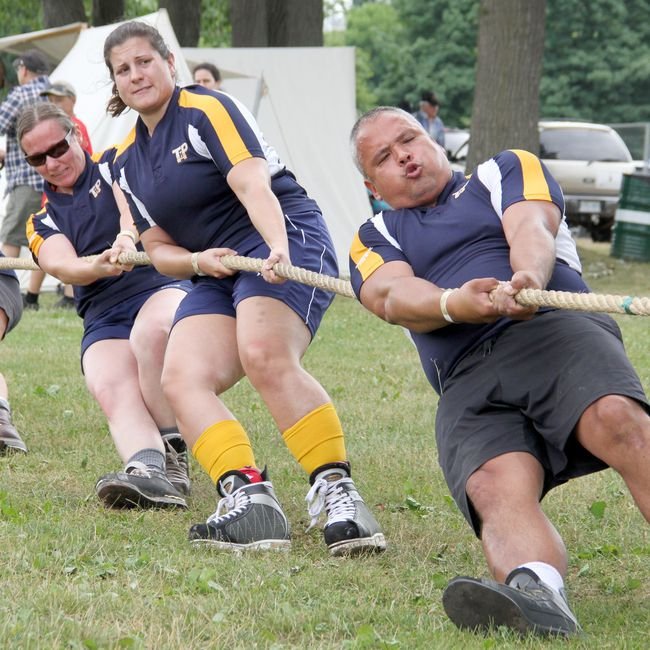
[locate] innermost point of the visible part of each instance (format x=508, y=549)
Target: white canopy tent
x=303, y=98
x=54, y=43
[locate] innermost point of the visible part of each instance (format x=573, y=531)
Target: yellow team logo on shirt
x=96, y=189
x=181, y=152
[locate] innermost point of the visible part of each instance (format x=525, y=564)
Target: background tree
x=105, y=12
x=276, y=23
x=63, y=12
x=215, y=24
x=381, y=61
x=597, y=60
x=508, y=70
x=185, y=16
x=441, y=50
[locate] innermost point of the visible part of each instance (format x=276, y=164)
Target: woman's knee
x=108, y=390
x=264, y=361
x=149, y=336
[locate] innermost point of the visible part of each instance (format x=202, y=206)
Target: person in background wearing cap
x=427, y=116
x=63, y=95
x=24, y=185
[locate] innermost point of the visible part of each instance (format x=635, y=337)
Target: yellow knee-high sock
x=223, y=446
x=317, y=439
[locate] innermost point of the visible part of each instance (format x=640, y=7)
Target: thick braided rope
x=614, y=304
x=304, y=276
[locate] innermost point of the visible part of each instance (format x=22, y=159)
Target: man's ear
x=372, y=189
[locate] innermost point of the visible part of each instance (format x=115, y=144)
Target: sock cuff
x=150, y=457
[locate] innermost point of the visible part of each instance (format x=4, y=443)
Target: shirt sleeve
x=9, y=111
x=373, y=246
x=222, y=129
x=40, y=226
x=516, y=175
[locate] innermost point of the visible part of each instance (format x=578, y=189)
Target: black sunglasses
x=55, y=151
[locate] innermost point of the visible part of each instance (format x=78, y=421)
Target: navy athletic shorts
x=221, y=296
x=117, y=321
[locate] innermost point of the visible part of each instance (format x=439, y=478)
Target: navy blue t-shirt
x=462, y=238
x=90, y=219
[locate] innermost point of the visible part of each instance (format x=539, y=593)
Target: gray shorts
x=11, y=302
x=525, y=390
x=22, y=203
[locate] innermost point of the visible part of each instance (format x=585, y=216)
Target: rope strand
x=613, y=304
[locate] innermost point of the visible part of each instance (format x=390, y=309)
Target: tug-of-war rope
x=613, y=304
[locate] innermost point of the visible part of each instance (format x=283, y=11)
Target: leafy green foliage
x=215, y=23
x=596, y=59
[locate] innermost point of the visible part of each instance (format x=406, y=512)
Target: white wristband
x=128, y=233
x=195, y=264
x=443, y=305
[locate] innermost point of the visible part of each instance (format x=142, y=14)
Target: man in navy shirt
x=528, y=398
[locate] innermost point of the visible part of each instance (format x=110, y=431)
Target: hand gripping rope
x=613, y=304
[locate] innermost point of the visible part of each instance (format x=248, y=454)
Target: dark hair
x=211, y=68
x=34, y=114
x=405, y=105
x=428, y=96
x=34, y=61
x=119, y=36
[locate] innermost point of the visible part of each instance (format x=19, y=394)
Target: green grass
x=74, y=575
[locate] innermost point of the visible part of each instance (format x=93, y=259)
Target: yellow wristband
x=128, y=233
x=443, y=305
x=195, y=264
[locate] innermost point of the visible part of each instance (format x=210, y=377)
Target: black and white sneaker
x=177, y=462
x=248, y=516
x=524, y=604
x=138, y=486
x=350, y=528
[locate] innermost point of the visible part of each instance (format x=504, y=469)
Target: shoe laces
x=176, y=463
x=230, y=506
x=332, y=497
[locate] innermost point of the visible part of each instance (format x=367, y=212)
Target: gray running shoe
x=138, y=486
x=177, y=462
x=248, y=517
x=350, y=528
x=525, y=604
x=10, y=440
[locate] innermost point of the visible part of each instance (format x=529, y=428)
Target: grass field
x=75, y=575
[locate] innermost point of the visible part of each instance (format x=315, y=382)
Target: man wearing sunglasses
x=24, y=184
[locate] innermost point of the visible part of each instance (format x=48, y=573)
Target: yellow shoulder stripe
x=35, y=241
x=222, y=123
x=365, y=260
x=535, y=185
x=126, y=143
